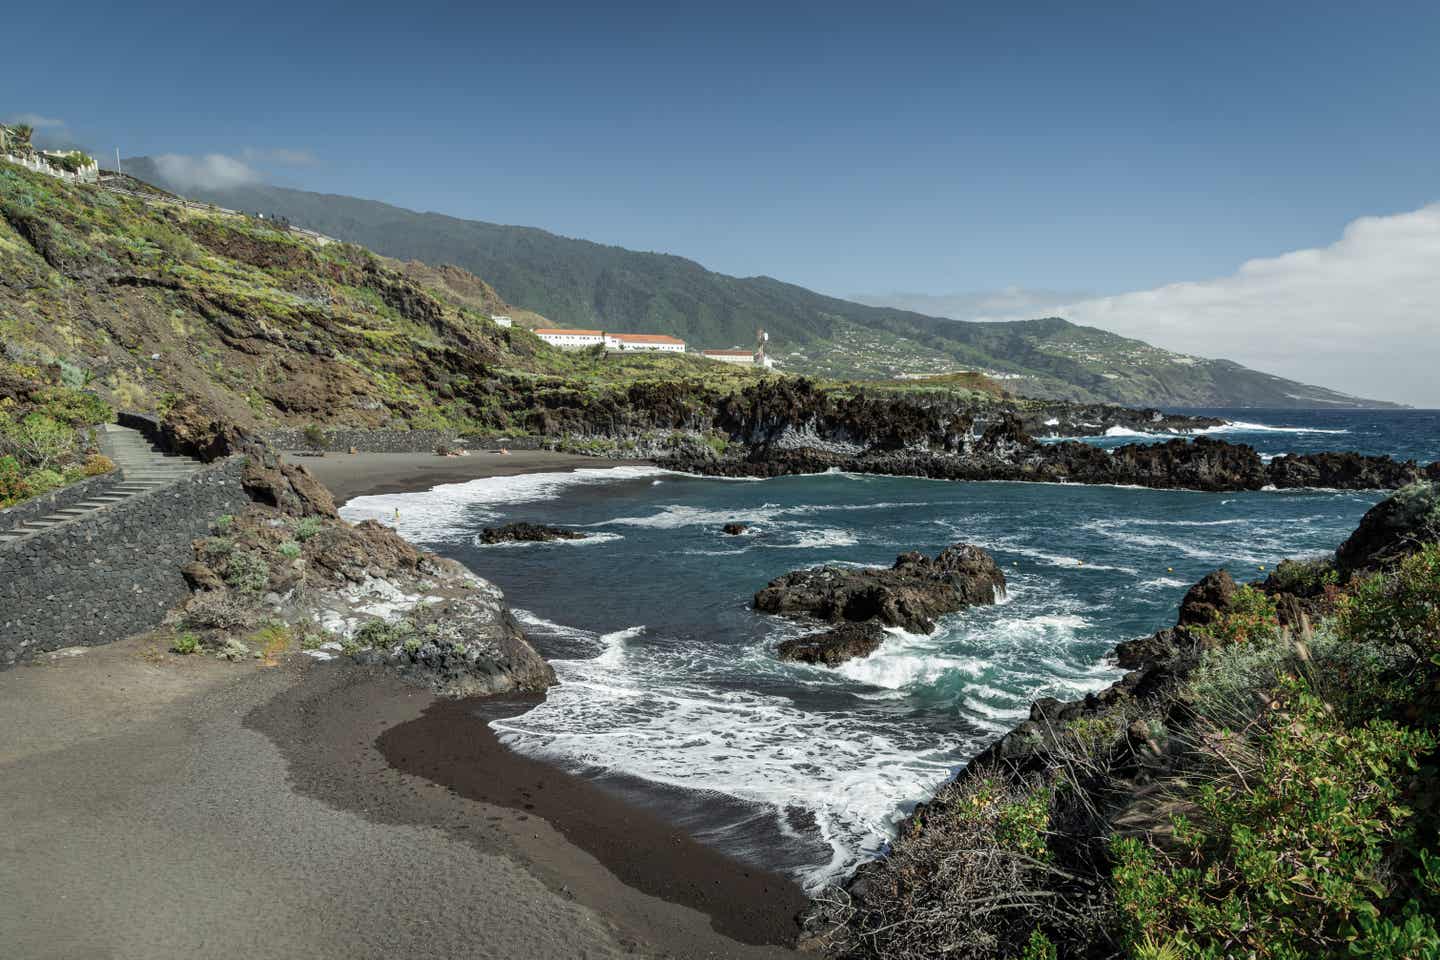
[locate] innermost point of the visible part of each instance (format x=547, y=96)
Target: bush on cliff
x=1292, y=849
x=1265, y=785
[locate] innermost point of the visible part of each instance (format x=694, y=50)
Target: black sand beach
x=160, y=806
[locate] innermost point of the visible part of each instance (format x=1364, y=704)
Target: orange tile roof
x=646, y=338
x=573, y=333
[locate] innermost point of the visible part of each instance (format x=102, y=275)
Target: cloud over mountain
x=1361, y=314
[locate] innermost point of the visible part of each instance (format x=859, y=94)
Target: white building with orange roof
x=649, y=342
x=567, y=339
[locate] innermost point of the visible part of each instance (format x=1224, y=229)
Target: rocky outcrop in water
x=527, y=533
x=833, y=647
x=734, y=529
x=910, y=594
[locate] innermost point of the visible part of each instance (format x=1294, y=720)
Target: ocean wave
x=589, y=539
x=1161, y=583
x=618, y=711
x=1235, y=426
x=446, y=511
x=815, y=540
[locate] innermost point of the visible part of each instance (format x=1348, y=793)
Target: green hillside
x=580, y=283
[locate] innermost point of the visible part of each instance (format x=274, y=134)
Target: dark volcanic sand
x=365, y=474
x=452, y=744
x=354, y=741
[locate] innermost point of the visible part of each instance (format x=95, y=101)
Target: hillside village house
x=652, y=342
x=744, y=358
x=502, y=320
x=571, y=339
x=615, y=342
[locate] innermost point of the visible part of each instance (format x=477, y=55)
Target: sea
x=669, y=690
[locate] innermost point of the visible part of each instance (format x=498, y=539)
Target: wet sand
x=360, y=474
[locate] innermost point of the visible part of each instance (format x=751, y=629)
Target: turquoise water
x=667, y=676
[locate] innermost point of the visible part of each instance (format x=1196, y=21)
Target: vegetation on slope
x=168, y=308
x=579, y=283
x=45, y=427
x=1269, y=789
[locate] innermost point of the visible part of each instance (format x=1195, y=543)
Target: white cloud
x=1361, y=315
x=214, y=171
x=37, y=121
x=219, y=171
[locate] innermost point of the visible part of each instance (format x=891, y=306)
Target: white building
x=503, y=320
x=649, y=342
x=743, y=358
x=571, y=339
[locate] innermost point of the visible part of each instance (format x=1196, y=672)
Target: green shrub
x=13, y=485
x=1039, y=947
x=247, y=572
x=185, y=644
x=315, y=437
x=37, y=440
x=1304, y=578
x=307, y=528
x=1402, y=607
x=224, y=522
x=290, y=549
x=43, y=481
x=1250, y=618
x=1291, y=851
x=314, y=639
x=75, y=408
x=97, y=464
x=383, y=634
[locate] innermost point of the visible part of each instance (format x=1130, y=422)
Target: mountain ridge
x=579, y=282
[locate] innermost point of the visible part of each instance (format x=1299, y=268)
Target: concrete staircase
x=143, y=467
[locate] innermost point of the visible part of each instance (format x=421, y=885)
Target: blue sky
x=1069, y=150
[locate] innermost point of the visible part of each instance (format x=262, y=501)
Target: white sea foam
x=445, y=512
x=815, y=539
x=622, y=711
x=590, y=539
x=1236, y=426
x=1241, y=426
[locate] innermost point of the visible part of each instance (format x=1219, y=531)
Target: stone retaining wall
x=341, y=439
x=111, y=574
x=48, y=503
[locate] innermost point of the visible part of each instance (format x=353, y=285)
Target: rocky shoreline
x=1006, y=452
x=783, y=426
x=1114, y=749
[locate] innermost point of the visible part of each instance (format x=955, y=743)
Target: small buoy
x=1079, y=563
x=1169, y=569
x=1262, y=568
